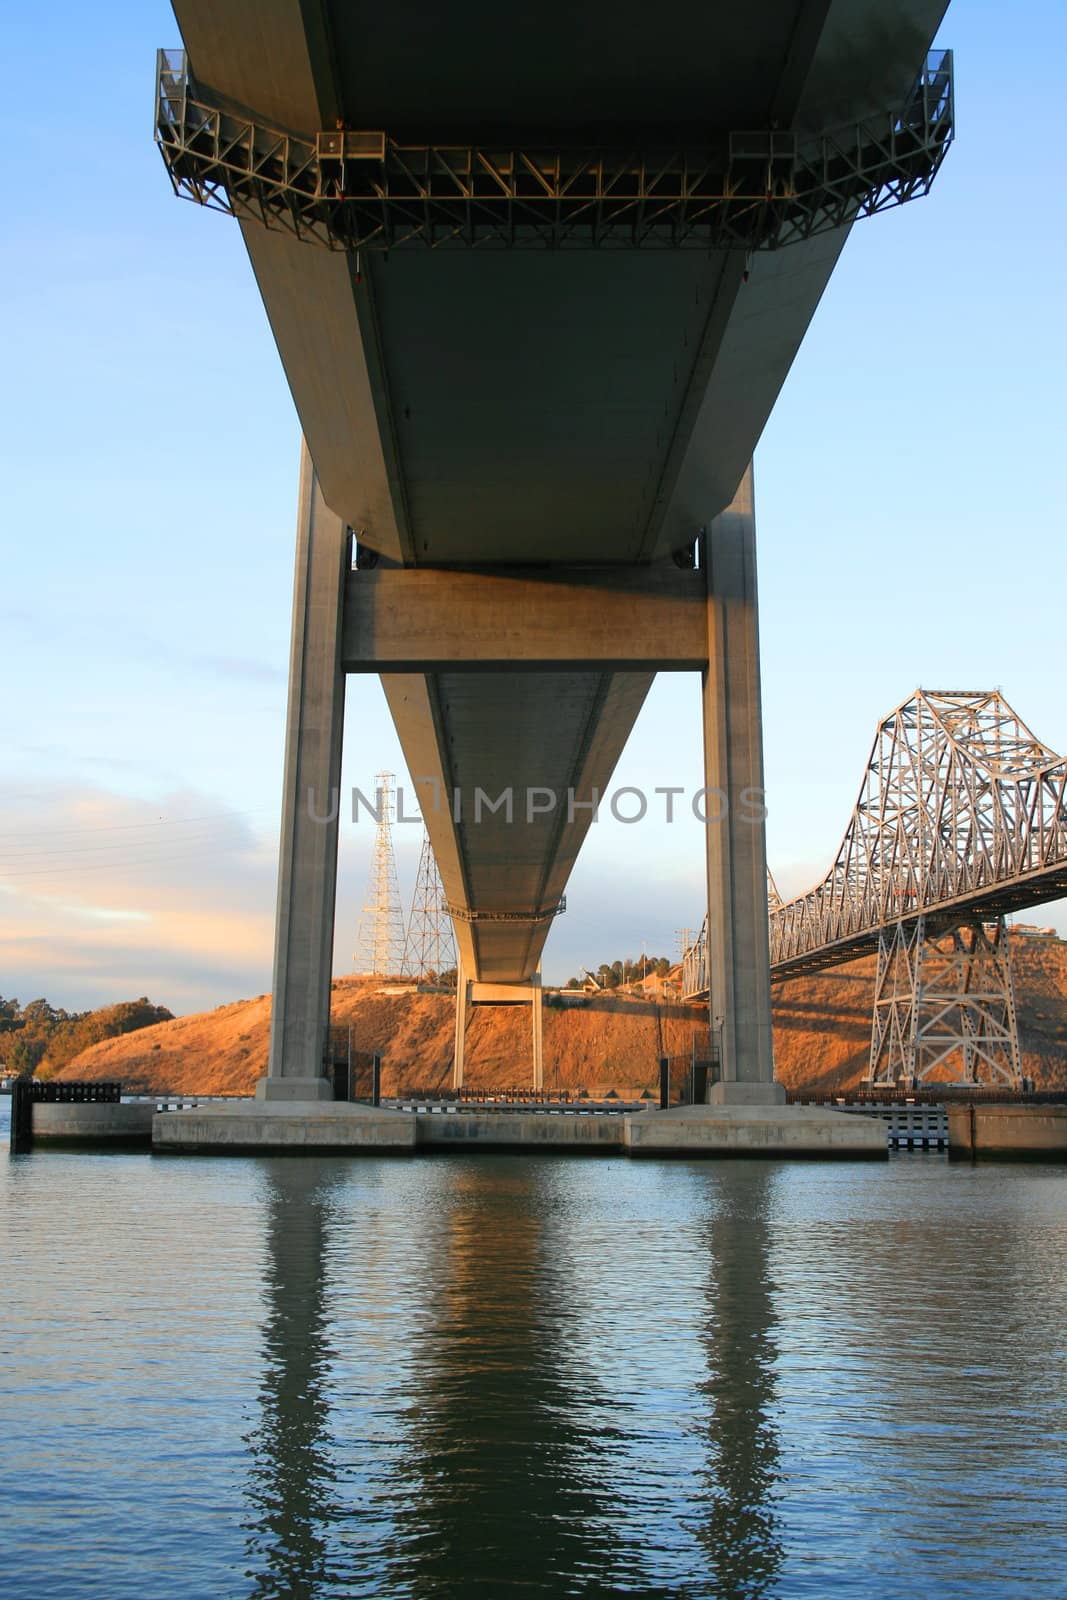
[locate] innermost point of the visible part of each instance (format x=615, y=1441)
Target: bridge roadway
x=556, y=409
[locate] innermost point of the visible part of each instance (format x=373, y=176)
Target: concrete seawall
x=253, y=1126
x=464, y=1130
x=94, y=1123
x=778, y=1132
x=1007, y=1132
x=256, y=1125
x=781, y=1132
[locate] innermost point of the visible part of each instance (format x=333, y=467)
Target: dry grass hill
x=822, y=1034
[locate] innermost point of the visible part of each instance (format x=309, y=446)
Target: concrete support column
x=536, y=1002
x=462, y=1005
x=738, y=940
x=307, y=874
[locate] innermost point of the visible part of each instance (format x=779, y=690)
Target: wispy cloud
x=239, y=667
x=128, y=644
x=103, y=896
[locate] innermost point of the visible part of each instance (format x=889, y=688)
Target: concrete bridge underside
x=582, y=412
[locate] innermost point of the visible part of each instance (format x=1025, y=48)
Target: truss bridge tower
x=944, y=1008
x=380, y=941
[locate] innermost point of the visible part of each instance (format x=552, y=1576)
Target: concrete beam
x=502, y=994
x=633, y=619
x=307, y=874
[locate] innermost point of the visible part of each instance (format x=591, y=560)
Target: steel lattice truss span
x=352, y=189
x=962, y=814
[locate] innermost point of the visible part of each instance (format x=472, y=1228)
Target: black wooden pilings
x=21, y=1116
x=664, y=1082
x=26, y=1093
x=376, y=1080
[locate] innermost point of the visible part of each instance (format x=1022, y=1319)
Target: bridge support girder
x=738, y=949
x=471, y=993
x=307, y=867
x=413, y=623
x=944, y=1008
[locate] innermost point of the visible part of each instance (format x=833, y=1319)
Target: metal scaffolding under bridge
x=961, y=819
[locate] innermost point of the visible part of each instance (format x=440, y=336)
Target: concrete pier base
x=256, y=1125
x=755, y=1130
x=695, y=1131
x=746, y=1094
x=1009, y=1132
x=298, y=1089
x=520, y=1131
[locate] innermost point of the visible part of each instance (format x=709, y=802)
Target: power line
x=86, y=849
x=160, y=822
x=77, y=869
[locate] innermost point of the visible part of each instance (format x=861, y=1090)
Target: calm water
x=481, y=1376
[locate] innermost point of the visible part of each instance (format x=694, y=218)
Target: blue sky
x=910, y=502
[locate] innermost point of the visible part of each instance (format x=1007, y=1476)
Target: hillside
x=822, y=1036
x=595, y=1042
x=822, y=1024
x=39, y=1038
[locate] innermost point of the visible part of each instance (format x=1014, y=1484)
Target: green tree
x=24, y=1056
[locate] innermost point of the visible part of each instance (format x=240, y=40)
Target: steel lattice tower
x=431, y=944
x=380, y=940
x=944, y=1008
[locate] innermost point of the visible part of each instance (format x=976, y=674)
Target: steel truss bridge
x=961, y=819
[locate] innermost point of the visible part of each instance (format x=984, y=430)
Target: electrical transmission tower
x=380, y=940
x=431, y=944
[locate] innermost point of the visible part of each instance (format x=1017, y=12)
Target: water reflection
x=510, y=1475
x=521, y=1453
x=741, y=1530
x=549, y=1377
x=293, y=1478
x=489, y=1375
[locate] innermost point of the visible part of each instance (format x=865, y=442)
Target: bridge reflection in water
x=293, y=1480
x=460, y=1422
x=582, y=1378
x=741, y=1533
